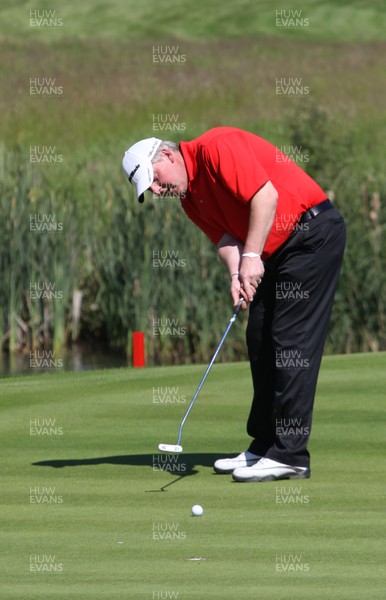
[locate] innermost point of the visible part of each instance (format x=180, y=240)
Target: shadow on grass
x=156, y=460
x=150, y=460
x=184, y=464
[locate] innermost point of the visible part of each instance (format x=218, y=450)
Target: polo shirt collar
x=189, y=150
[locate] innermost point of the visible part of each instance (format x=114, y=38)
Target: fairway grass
x=82, y=493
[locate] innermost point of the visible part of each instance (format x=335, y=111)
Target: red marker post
x=138, y=359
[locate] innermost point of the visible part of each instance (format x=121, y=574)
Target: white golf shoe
x=270, y=470
x=228, y=465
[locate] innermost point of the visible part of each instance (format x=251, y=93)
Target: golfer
x=282, y=242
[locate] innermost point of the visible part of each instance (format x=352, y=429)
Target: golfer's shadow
x=181, y=464
x=190, y=460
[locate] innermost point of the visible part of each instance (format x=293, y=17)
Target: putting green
x=91, y=510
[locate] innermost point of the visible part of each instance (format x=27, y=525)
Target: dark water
x=75, y=359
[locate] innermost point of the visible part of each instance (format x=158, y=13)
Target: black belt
x=314, y=211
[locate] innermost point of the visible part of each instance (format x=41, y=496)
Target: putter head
x=170, y=448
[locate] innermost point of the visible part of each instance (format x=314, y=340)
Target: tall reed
x=149, y=268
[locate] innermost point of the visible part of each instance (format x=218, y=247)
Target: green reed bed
x=148, y=268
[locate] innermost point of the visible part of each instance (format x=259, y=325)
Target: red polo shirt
x=226, y=167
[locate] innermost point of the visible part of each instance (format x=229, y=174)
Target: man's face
x=170, y=176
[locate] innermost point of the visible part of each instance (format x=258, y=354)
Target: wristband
x=251, y=254
x=233, y=274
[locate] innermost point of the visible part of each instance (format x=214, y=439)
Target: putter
x=177, y=447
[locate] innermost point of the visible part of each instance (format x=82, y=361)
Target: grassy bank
x=112, y=92
x=320, y=20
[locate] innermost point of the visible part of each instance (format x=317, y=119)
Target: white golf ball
x=197, y=510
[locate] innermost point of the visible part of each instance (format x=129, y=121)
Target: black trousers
x=286, y=332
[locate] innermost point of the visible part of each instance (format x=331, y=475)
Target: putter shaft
x=231, y=321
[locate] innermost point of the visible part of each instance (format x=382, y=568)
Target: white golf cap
x=137, y=164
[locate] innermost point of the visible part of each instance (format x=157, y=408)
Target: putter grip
x=236, y=312
x=238, y=307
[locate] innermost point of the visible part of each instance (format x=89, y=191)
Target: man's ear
x=168, y=154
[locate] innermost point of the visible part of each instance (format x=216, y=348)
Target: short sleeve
x=232, y=160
